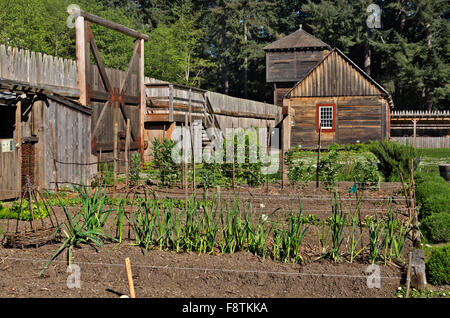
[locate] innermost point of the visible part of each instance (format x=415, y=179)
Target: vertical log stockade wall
x=84, y=101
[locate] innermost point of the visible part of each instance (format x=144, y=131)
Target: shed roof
x=337, y=75
x=300, y=39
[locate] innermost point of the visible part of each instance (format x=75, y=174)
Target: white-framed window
x=325, y=113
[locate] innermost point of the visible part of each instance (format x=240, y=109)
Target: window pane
x=326, y=117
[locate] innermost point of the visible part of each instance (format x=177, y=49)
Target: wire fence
x=201, y=269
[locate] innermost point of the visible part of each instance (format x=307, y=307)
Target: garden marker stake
x=130, y=278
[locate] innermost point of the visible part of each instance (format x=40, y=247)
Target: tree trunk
x=427, y=89
x=226, y=84
x=245, y=62
x=367, y=54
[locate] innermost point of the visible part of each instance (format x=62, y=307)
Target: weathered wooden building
x=289, y=59
x=42, y=133
x=342, y=100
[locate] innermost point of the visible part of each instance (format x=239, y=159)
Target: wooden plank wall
x=221, y=102
x=36, y=68
x=357, y=118
x=424, y=142
x=360, y=118
x=105, y=130
x=8, y=175
x=290, y=66
x=72, y=131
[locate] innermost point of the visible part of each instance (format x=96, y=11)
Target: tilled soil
x=169, y=274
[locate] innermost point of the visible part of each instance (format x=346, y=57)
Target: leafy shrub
x=329, y=168
x=394, y=159
x=432, y=194
x=247, y=161
x=212, y=175
x=169, y=171
x=366, y=172
x=26, y=214
x=438, y=269
x=135, y=168
x=298, y=171
x=436, y=227
x=106, y=171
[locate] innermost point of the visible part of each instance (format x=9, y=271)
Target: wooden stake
x=185, y=149
x=55, y=171
x=192, y=141
x=100, y=173
x=318, y=156
x=417, y=239
x=130, y=277
x=408, y=276
x=116, y=132
x=127, y=146
x=269, y=152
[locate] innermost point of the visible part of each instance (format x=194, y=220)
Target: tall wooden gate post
x=114, y=97
x=80, y=48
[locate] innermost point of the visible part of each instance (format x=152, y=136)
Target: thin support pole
x=318, y=156
x=116, y=132
x=55, y=171
x=127, y=152
x=185, y=149
x=100, y=167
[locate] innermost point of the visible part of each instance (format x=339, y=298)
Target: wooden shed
x=343, y=100
x=289, y=59
x=40, y=131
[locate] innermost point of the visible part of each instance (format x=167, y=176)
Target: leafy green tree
x=174, y=50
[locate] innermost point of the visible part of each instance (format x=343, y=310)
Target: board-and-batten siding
x=72, y=131
x=334, y=76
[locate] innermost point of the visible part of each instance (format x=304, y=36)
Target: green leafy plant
x=337, y=225
x=436, y=227
x=329, y=168
x=437, y=267
x=323, y=234
x=84, y=228
x=287, y=242
x=22, y=211
x=366, y=173
x=394, y=159
x=168, y=170
x=135, y=169
x=432, y=194
x=354, y=240
x=376, y=243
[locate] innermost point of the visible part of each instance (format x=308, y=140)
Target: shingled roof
x=300, y=39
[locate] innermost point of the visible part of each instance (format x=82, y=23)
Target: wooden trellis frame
x=114, y=99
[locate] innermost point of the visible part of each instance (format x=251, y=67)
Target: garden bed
x=241, y=274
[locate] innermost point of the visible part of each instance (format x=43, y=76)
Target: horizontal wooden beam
x=105, y=96
x=113, y=26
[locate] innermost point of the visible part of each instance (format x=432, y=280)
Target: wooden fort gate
x=114, y=96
